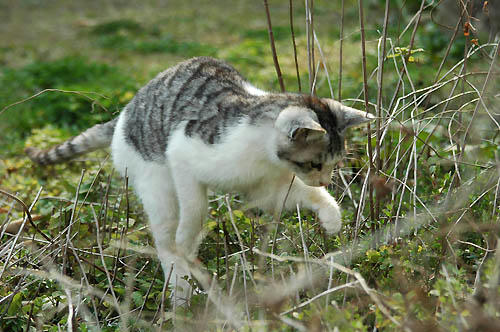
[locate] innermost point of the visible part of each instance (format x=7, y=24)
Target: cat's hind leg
x=159, y=197
x=154, y=185
x=160, y=203
x=176, y=205
x=193, y=206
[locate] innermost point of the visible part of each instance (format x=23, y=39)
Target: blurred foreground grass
x=428, y=259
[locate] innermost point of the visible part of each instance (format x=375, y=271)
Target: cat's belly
x=267, y=194
x=244, y=180
x=236, y=185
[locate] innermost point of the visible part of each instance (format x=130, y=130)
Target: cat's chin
x=314, y=183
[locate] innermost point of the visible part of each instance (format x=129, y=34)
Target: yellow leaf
x=238, y=213
x=126, y=96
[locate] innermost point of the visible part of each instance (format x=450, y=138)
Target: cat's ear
x=307, y=134
x=348, y=117
x=299, y=125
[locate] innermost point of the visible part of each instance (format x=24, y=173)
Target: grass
x=129, y=36
x=418, y=249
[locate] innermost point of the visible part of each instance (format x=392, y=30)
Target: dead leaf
x=14, y=226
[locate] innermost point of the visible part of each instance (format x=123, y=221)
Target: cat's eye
x=309, y=165
x=299, y=164
x=318, y=166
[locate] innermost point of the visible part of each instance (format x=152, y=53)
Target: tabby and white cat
x=201, y=125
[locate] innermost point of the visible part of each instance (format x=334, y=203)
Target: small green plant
x=80, y=93
x=129, y=36
x=429, y=257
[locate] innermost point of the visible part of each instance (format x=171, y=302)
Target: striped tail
x=95, y=138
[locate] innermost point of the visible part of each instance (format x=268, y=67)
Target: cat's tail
x=95, y=138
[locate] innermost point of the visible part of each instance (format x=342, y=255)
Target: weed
x=421, y=254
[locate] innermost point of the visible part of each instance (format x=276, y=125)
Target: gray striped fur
x=95, y=138
x=206, y=96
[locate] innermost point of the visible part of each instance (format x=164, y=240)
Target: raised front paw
x=331, y=219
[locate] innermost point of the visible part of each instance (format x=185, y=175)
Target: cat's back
x=192, y=95
x=194, y=78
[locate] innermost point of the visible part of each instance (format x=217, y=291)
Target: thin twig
x=380, y=80
x=485, y=84
x=365, y=93
x=108, y=276
x=273, y=47
x=96, y=313
x=278, y=221
x=240, y=241
x=310, y=64
x=146, y=296
x=80, y=93
x=357, y=275
x=294, y=47
x=317, y=296
x=71, y=221
x=341, y=49
x=28, y=217
x=28, y=214
x=163, y=295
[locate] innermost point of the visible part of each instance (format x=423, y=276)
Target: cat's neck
x=268, y=105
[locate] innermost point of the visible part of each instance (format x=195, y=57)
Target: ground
x=418, y=246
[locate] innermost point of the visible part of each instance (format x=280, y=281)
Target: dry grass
x=278, y=276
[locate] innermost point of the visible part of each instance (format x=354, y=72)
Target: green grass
x=130, y=36
x=80, y=93
x=440, y=273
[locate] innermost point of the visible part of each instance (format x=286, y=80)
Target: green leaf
x=373, y=255
x=137, y=298
x=16, y=305
x=238, y=213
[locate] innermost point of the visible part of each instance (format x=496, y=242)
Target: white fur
x=253, y=90
x=174, y=193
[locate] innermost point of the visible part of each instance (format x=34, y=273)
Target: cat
x=201, y=125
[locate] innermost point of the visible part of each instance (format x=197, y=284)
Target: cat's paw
x=181, y=292
x=331, y=219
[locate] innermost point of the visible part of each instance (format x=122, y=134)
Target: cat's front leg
x=318, y=200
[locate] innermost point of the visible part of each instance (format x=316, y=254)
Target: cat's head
x=311, y=140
